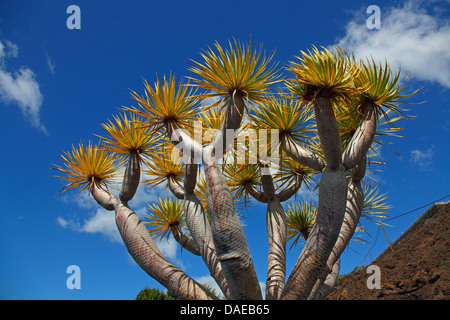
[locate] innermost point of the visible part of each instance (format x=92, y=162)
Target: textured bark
x=302, y=155
x=256, y=194
x=331, y=207
x=313, y=259
x=276, y=260
x=276, y=233
x=185, y=242
x=145, y=252
x=176, y=189
x=200, y=231
x=228, y=235
x=330, y=282
x=131, y=178
x=230, y=124
x=362, y=138
x=103, y=197
x=328, y=130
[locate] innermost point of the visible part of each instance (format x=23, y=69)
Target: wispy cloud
x=99, y=221
x=423, y=159
x=409, y=37
x=19, y=87
x=50, y=63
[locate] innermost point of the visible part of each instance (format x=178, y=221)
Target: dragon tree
x=240, y=130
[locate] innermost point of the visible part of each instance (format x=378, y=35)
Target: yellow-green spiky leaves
x=284, y=113
x=381, y=86
x=165, y=102
x=165, y=215
x=300, y=219
x=86, y=165
x=127, y=134
x=237, y=69
x=323, y=69
x=160, y=168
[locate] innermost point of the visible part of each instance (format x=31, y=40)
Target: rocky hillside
x=417, y=267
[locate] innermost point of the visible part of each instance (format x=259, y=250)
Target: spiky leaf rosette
x=237, y=69
x=127, y=134
x=165, y=215
x=375, y=204
x=239, y=175
x=323, y=69
x=300, y=219
x=290, y=170
x=86, y=165
x=160, y=167
x=287, y=115
x=381, y=86
x=165, y=102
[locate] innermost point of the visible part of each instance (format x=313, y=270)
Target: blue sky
x=58, y=85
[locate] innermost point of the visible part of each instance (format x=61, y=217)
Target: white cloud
x=50, y=64
x=101, y=221
x=409, y=37
x=20, y=87
x=423, y=159
x=62, y=222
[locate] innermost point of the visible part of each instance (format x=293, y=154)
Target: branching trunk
x=229, y=238
x=301, y=155
x=131, y=178
x=276, y=258
x=145, y=252
x=362, y=138
x=331, y=207
x=185, y=242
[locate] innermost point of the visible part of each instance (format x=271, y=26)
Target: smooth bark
x=131, y=177
x=331, y=207
x=301, y=154
x=228, y=235
x=362, y=138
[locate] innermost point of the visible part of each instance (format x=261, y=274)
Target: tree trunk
x=145, y=252
x=276, y=260
x=228, y=235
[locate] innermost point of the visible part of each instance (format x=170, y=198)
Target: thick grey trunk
x=328, y=131
x=224, y=137
x=145, y=252
x=185, y=242
x=362, y=138
x=276, y=264
x=330, y=282
x=200, y=231
x=302, y=155
x=228, y=235
x=313, y=259
x=131, y=178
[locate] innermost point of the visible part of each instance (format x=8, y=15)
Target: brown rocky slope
x=417, y=267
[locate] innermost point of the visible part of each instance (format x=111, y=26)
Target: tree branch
x=103, y=197
x=145, y=252
x=185, y=242
x=290, y=190
x=255, y=193
x=328, y=129
x=362, y=138
x=302, y=155
x=131, y=178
